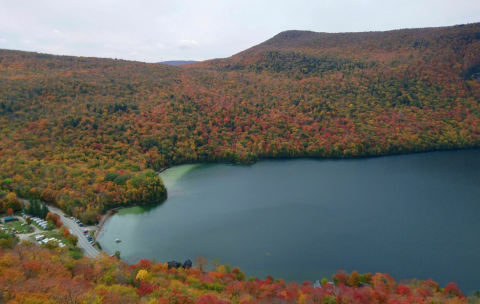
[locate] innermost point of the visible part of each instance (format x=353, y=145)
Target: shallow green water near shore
x=415, y=215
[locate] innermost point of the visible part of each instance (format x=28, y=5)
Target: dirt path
x=24, y=236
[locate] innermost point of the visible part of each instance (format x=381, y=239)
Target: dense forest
x=88, y=134
x=48, y=274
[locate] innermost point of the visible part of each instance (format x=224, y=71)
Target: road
x=83, y=243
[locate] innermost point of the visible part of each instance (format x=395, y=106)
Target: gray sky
x=149, y=30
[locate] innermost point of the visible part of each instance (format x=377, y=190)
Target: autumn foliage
x=32, y=274
x=9, y=202
x=87, y=134
x=66, y=233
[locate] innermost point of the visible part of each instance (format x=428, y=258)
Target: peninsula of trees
x=88, y=134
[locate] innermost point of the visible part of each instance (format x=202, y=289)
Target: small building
x=9, y=219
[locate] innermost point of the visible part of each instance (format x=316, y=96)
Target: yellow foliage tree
x=142, y=275
x=354, y=279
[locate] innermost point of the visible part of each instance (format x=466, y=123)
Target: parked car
x=93, y=244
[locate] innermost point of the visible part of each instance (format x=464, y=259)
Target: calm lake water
x=412, y=216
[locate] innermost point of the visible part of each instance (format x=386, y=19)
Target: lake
x=412, y=216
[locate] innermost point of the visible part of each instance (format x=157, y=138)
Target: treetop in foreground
x=34, y=274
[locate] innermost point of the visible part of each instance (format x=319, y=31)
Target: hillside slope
x=86, y=133
x=390, y=47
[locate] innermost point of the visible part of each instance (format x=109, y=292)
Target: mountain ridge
x=375, y=42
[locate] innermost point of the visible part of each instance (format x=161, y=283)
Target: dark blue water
x=412, y=216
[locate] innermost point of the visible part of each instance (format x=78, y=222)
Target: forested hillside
x=35, y=274
x=88, y=133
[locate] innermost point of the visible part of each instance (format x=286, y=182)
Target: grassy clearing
x=50, y=234
x=74, y=252
x=17, y=225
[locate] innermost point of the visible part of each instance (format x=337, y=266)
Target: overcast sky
x=152, y=30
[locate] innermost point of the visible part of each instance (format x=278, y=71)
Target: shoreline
x=109, y=213
x=113, y=211
x=106, y=216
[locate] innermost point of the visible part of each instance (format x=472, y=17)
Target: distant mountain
x=177, y=62
x=312, y=54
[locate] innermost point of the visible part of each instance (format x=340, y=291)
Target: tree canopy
x=88, y=134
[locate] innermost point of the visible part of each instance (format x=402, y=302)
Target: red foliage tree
x=66, y=233
x=52, y=217
x=452, y=289
x=341, y=277
x=31, y=268
x=144, y=264
x=145, y=288
x=403, y=290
